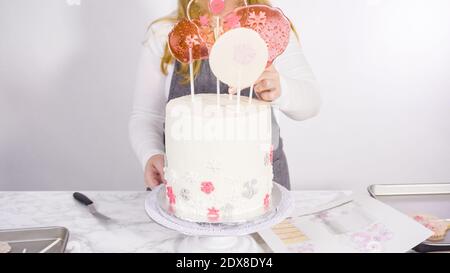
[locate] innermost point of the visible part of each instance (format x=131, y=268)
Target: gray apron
x=205, y=82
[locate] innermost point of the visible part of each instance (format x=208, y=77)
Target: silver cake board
x=220, y=237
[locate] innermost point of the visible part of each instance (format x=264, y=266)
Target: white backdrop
x=67, y=73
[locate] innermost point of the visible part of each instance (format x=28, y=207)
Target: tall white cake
x=218, y=158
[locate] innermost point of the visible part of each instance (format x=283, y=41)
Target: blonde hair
x=196, y=11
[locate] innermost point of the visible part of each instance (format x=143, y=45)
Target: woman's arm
x=146, y=124
x=300, y=98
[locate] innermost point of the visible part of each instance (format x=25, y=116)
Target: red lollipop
x=269, y=22
x=190, y=34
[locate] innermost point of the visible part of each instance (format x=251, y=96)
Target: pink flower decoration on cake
x=268, y=159
x=213, y=214
x=257, y=21
x=171, y=209
x=231, y=21
x=271, y=154
x=170, y=195
x=207, y=187
x=267, y=201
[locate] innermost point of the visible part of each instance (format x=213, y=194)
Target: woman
x=288, y=84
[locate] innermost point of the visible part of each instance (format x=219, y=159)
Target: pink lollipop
x=270, y=23
x=216, y=6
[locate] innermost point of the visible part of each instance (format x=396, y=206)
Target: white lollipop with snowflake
x=239, y=57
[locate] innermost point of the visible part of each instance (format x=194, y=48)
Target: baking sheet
x=33, y=240
x=430, y=199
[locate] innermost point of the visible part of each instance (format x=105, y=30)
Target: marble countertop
x=132, y=231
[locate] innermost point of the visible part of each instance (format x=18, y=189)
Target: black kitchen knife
x=83, y=199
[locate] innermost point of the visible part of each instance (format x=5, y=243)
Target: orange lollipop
x=190, y=35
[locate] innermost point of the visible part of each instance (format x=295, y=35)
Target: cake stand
x=219, y=237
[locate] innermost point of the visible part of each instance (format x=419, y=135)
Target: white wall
x=67, y=74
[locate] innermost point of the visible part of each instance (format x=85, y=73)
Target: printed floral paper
x=363, y=225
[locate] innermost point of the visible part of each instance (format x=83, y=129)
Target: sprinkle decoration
x=213, y=214
x=171, y=195
x=207, y=187
x=267, y=201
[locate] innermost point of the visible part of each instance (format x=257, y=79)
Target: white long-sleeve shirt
x=299, y=98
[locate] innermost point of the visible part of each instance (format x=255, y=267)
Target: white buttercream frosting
x=217, y=158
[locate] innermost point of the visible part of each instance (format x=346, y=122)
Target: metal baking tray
x=431, y=199
x=33, y=240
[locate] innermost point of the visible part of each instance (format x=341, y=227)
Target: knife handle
x=83, y=199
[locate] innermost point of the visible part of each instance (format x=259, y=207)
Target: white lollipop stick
x=239, y=100
x=239, y=90
x=218, y=92
x=217, y=28
x=251, y=94
x=216, y=34
x=191, y=72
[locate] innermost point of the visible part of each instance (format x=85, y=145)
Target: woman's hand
x=267, y=87
x=154, y=171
